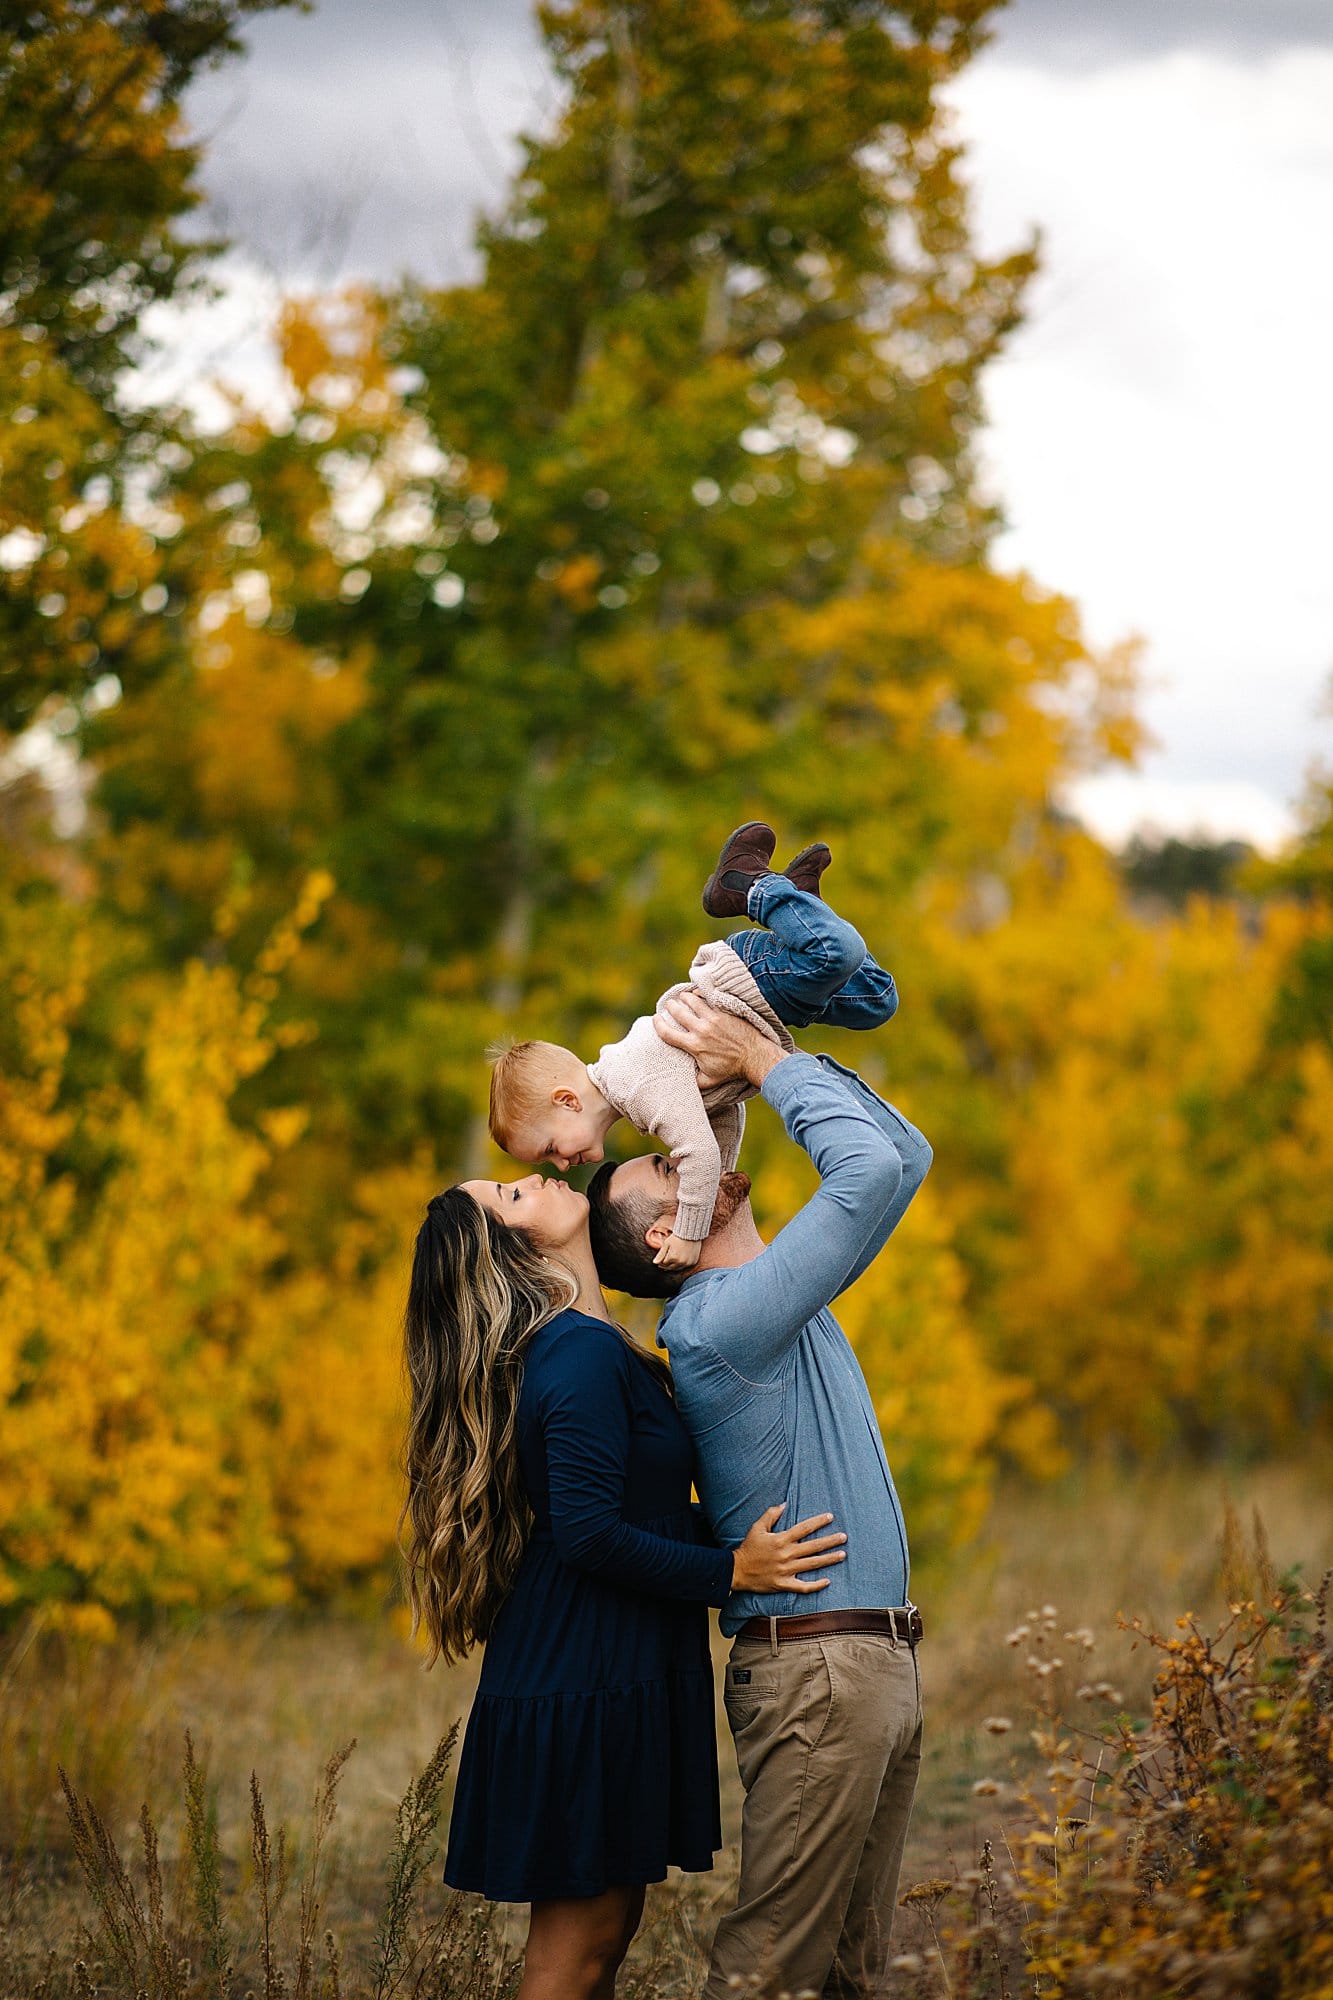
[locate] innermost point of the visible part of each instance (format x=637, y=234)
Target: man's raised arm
x=763, y=1305
x=913, y=1148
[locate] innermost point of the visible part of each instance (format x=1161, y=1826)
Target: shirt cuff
x=783, y=1081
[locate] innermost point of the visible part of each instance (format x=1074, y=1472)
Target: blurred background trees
x=344, y=740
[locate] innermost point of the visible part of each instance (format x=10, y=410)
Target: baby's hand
x=678, y=1253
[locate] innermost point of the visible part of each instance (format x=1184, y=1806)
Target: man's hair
x=624, y=1261
x=521, y=1085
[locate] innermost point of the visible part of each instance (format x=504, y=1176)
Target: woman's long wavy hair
x=479, y=1291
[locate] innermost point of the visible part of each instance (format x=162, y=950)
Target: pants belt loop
x=773, y=1637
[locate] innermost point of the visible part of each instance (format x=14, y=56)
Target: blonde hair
x=479, y=1291
x=521, y=1079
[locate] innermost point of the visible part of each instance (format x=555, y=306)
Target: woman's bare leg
x=576, y=1946
x=633, y=1918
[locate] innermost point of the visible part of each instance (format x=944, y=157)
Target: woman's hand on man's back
x=770, y=1559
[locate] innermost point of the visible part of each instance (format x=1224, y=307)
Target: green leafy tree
x=670, y=516
x=667, y=518
x=98, y=177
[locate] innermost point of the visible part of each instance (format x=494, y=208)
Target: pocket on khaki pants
x=747, y=1690
x=777, y=1706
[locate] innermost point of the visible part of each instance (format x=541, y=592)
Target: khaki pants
x=828, y=1742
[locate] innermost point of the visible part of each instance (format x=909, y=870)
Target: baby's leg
x=805, y=955
x=867, y=1000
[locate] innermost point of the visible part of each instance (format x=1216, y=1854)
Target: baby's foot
x=808, y=866
x=746, y=854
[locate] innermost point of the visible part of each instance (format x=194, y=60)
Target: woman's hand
x=767, y=1560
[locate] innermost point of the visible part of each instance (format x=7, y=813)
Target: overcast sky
x=1161, y=429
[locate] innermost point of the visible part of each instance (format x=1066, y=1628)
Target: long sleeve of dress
x=585, y=1417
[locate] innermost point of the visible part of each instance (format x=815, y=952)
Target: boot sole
x=807, y=854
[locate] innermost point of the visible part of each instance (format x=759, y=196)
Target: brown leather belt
x=895, y=1624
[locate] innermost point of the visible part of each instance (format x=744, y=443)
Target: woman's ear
x=565, y=1099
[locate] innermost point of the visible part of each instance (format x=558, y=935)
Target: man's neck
x=739, y=1243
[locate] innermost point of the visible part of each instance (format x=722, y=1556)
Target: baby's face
x=565, y=1137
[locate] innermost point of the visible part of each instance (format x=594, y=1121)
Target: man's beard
x=733, y=1190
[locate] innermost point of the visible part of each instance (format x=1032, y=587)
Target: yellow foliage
x=941, y=1406
x=338, y=1483
x=332, y=350
x=472, y=628
x=130, y=1470
x=262, y=711
x=178, y=1424
x=1169, y=1170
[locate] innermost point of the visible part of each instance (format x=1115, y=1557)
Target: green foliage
x=1175, y=870
x=98, y=175
x=676, y=516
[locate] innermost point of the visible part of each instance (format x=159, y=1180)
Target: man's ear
x=565, y=1099
x=656, y=1234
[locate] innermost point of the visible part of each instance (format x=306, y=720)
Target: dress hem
x=566, y=1892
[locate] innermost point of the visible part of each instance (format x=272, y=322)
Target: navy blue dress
x=590, y=1759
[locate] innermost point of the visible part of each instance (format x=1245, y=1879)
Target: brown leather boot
x=807, y=867
x=745, y=854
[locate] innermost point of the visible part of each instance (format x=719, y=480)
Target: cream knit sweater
x=657, y=1087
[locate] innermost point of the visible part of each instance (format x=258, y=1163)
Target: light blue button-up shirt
x=767, y=1381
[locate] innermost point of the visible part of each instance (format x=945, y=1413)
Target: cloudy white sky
x=1161, y=429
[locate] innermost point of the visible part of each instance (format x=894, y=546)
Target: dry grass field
x=278, y=1694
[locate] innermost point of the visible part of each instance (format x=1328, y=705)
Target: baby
x=804, y=965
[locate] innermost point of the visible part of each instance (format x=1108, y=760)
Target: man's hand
x=678, y=1253
x=722, y=1044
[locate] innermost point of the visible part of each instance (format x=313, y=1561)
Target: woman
x=590, y=1762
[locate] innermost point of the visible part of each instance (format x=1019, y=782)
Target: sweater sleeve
x=656, y=1087
x=728, y=1123
x=695, y=1152
x=584, y=1409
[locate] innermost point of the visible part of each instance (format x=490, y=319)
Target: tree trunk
x=513, y=938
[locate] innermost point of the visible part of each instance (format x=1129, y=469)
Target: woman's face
x=552, y=1212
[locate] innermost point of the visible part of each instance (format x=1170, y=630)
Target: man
x=825, y=1708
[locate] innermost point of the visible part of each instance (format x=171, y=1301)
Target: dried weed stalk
x=1187, y=1852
